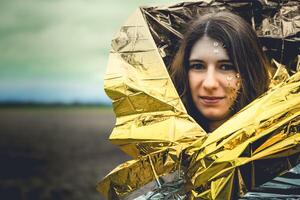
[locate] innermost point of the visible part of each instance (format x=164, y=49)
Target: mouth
x=211, y=99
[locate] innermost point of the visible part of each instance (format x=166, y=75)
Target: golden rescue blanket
x=173, y=157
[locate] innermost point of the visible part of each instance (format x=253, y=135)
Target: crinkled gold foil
x=148, y=109
x=134, y=174
x=276, y=23
x=255, y=145
x=280, y=75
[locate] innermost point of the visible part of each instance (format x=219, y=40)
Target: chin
x=215, y=116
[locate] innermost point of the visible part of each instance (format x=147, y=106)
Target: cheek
x=192, y=78
x=194, y=85
x=234, y=84
x=233, y=87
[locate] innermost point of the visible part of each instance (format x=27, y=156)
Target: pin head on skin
x=229, y=78
x=216, y=44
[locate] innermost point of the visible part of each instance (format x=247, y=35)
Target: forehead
x=208, y=49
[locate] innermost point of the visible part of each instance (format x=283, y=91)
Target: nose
x=210, y=81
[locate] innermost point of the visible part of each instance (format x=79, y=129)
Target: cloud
x=65, y=40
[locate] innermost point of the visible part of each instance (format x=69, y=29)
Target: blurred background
x=54, y=115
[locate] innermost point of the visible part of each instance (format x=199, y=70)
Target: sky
x=56, y=51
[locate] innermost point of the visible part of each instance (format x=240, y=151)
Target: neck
x=213, y=125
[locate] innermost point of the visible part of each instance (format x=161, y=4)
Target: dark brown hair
x=243, y=49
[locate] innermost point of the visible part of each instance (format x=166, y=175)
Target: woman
x=219, y=68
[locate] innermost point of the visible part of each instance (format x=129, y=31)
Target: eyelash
x=227, y=67
x=197, y=66
x=224, y=67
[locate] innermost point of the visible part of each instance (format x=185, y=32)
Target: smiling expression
x=213, y=79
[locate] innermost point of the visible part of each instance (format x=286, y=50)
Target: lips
x=211, y=99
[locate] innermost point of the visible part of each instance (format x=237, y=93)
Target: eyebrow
x=220, y=61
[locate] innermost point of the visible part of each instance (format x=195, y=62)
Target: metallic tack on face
x=239, y=80
x=229, y=78
x=216, y=44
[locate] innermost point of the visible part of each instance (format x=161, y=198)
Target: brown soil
x=55, y=153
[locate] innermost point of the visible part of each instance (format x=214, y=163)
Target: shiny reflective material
x=216, y=50
x=229, y=78
x=254, y=146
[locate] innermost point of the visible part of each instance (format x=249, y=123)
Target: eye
x=227, y=67
x=197, y=66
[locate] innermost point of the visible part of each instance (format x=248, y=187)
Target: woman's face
x=214, y=82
